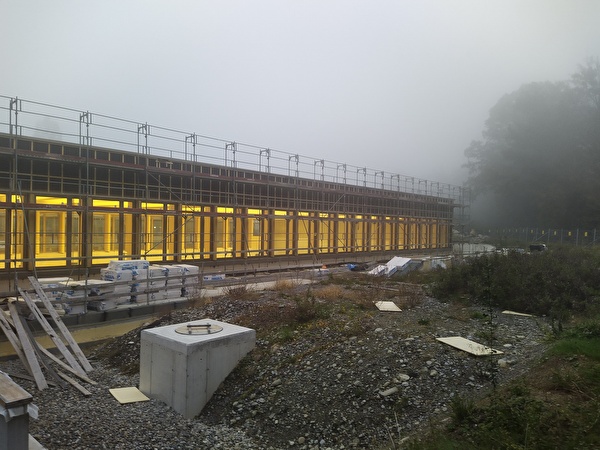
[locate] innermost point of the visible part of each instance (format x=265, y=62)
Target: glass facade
x=78, y=213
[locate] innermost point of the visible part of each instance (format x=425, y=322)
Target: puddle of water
x=84, y=335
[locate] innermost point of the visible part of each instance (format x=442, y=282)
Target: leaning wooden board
x=36, y=370
x=50, y=331
x=60, y=324
x=14, y=340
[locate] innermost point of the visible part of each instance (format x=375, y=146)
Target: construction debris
x=387, y=306
x=128, y=395
x=469, y=346
x=16, y=315
x=514, y=313
x=397, y=264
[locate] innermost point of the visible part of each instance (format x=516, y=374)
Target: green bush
x=554, y=283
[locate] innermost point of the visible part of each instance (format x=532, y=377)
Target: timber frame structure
x=75, y=205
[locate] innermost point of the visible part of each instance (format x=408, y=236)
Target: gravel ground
x=347, y=376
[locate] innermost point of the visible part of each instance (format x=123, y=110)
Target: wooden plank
x=42, y=359
x=50, y=331
x=60, y=324
x=14, y=340
x=11, y=394
x=74, y=383
x=24, y=376
x=64, y=366
x=36, y=370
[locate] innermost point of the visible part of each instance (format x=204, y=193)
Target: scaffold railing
x=19, y=117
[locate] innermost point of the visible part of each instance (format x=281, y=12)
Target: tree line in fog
x=538, y=161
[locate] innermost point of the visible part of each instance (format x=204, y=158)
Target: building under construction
x=79, y=189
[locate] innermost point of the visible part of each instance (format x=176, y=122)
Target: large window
x=50, y=236
x=99, y=232
x=50, y=232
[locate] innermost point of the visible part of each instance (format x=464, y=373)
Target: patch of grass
x=478, y=315
x=330, y=292
x=308, y=308
x=240, y=292
x=285, y=285
x=463, y=411
x=590, y=348
x=557, y=405
x=285, y=334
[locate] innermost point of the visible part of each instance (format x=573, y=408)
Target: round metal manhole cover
x=199, y=329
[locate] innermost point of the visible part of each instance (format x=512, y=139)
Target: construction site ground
x=329, y=370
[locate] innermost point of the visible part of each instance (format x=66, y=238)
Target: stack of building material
x=123, y=282
x=98, y=295
x=214, y=277
x=174, y=283
x=166, y=282
x=54, y=289
x=125, y=274
x=397, y=263
x=150, y=284
x=190, y=278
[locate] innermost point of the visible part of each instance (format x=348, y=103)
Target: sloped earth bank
x=326, y=373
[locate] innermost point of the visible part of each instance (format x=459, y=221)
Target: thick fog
x=397, y=86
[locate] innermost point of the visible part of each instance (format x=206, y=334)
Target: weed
x=285, y=334
x=240, y=292
x=463, y=411
x=411, y=294
x=589, y=348
x=478, y=315
x=330, y=292
x=306, y=307
x=198, y=300
x=360, y=299
x=285, y=285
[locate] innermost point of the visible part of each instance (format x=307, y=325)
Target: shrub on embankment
x=555, y=283
x=556, y=404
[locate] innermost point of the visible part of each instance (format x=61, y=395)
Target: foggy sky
x=402, y=86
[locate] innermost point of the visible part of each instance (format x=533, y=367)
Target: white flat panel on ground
x=128, y=395
x=469, y=346
x=514, y=313
x=387, y=306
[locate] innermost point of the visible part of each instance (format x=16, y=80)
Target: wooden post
x=14, y=423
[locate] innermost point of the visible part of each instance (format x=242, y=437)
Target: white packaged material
x=116, y=275
x=133, y=264
x=75, y=308
x=158, y=271
x=93, y=287
x=53, y=282
x=174, y=283
x=214, y=277
x=187, y=269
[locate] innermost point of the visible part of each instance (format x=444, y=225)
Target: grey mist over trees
x=538, y=163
